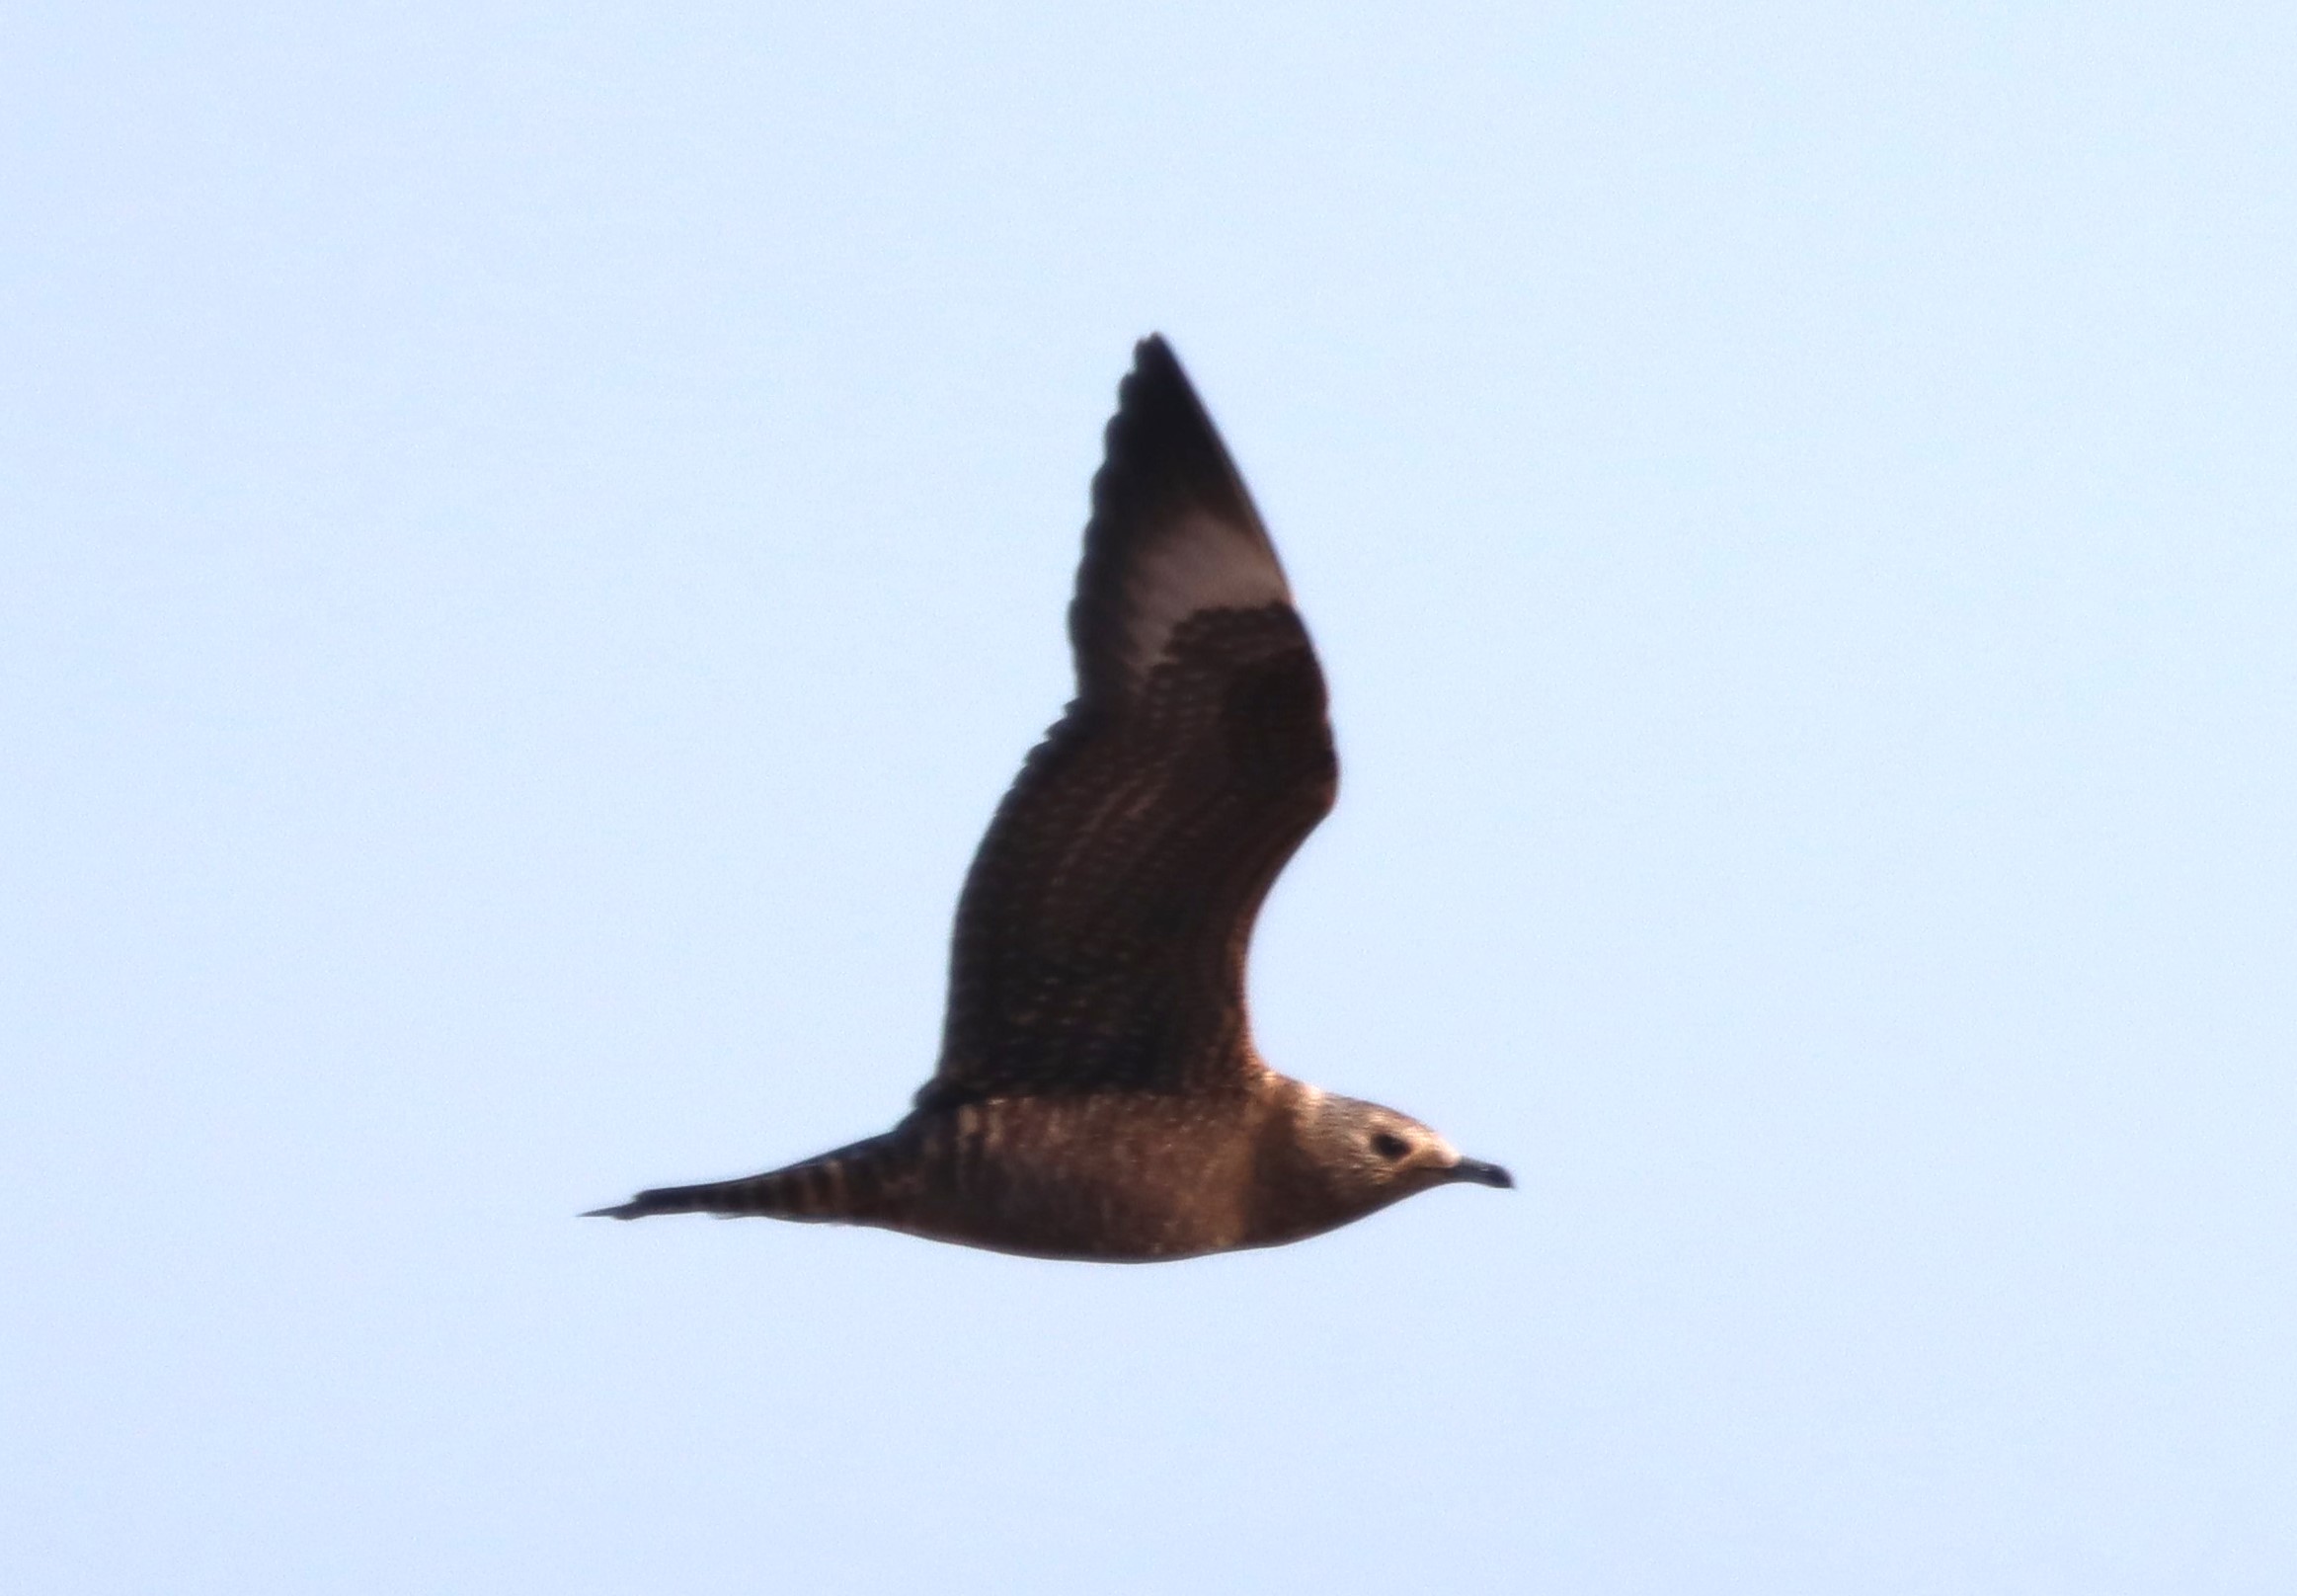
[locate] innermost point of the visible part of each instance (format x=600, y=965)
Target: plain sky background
x=535, y=536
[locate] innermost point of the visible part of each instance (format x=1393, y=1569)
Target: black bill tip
x=1482, y=1174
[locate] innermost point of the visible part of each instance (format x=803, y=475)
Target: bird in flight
x=1099, y=1096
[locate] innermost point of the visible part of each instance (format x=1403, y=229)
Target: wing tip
x=1161, y=446
x=1161, y=456
x=1159, y=387
x=1155, y=351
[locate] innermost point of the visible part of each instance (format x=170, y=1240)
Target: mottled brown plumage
x=1099, y=1096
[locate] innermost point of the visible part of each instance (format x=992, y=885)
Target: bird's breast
x=1118, y=1177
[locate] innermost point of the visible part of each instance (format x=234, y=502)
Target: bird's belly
x=1058, y=1181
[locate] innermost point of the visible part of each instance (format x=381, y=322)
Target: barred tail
x=848, y=1185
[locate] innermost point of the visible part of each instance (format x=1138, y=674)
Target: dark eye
x=1387, y=1146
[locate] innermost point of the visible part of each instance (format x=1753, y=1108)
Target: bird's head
x=1351, y=1157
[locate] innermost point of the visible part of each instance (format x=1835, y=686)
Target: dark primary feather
x=1101, y=935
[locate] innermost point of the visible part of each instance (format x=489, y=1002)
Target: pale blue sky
x=534, y=537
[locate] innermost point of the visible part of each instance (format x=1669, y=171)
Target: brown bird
x=1099, y=1096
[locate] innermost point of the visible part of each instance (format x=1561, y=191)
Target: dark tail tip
x=665, y=1200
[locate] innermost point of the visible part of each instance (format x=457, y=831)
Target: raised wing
x=1101, y=937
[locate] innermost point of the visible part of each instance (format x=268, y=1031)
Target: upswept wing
x=1101, y=937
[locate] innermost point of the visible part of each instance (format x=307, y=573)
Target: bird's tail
x=849, y=1184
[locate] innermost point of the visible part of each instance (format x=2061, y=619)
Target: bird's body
x=1099, y=1096
x=1112, y=1176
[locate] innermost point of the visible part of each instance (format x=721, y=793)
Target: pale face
x=1379, y=1156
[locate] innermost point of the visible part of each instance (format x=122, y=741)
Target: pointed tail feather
x=759, y=1194
x=660, y=1200
x=848, y=1184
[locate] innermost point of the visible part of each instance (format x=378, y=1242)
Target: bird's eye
x=1387, y=1146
